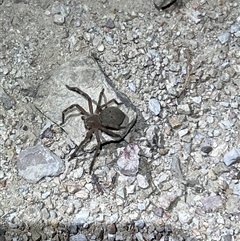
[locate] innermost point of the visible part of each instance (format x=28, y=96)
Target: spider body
x=103, y=119
x=112, y=117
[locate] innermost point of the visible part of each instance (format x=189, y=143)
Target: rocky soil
x=176, y=175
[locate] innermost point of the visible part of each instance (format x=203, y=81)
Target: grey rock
x=110, y=23
x=81, y=218
x=172, y=91
x=184, y=216
x=159, y=212
x=128, y=162
x=232, y=156
x=82, y=72
x=109, y=39
x=197, y=99
x=154, y=106
x=7, y=101
x=141, y=206
x=175, y=67
x=216, y=133
x=121, y=192
x=35, y=234
x=226, y=124
x=1, y=174
x=113, y=218
x=236, y=189
x=220, y=168
x=142, y=181
x=235, y=28
x=78, y=237
x=227, y=237
x=140, y=223
x=139, y=236
x=112, y=229
x=37, y=162
x=44, y=4
x=166, y=201
x=237, y=34
x=206, y=149
x=61, y=9
x=46, y=194
x=232, y=204
x=184, y=109
x=183, y=132
x=73, y=229
x=176, y=168
x=212, y=203
x=132, y=87
x=58, y=19
x=224, y=38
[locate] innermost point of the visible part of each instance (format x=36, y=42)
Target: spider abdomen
x=112, y=117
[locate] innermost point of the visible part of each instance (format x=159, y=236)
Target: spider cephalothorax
x=103, y=119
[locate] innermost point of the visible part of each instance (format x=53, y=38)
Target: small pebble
x=206, y=149
x=112, y=228
x=232, y=156
x=224, y=38
x=140, y=223
x=46, y=194
x=110, y=24
x=154, y=106
x=59, y=19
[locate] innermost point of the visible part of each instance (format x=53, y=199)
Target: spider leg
x=77, y=90
x=110, y=133
x=97, y=150
x=109, y=102
x=98, y=109
x=120, y=137
x=87, y=137
x=84, y=112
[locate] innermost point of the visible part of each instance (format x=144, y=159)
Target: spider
x=103, y=119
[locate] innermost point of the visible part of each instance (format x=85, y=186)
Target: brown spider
x=103, y=119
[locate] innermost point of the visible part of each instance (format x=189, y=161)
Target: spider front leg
x=97, y=150
x=77, y=90
x=100, y=107
x=109, y=102
x=87, y=137
x=82, y=111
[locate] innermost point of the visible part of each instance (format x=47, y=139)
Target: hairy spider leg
x=98, y=109
x=77, y=90
x=84, y=112
x=96, y=132
x=120, y=137
x=87, y=137
x=111, y=133
x=109, y=102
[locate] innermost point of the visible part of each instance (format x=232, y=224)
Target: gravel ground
x=180, y=68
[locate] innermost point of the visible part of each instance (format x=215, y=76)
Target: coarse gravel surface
x=180, y=68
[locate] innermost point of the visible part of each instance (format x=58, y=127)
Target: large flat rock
x=82, y=72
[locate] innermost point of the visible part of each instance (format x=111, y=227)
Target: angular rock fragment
x=37, y=162
x=142, y=181
x=7, y=101
x=206, y=149
x=84, y=73
x=232, y=156
x=212, y=203
x=154, y=106
x=128, y=162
